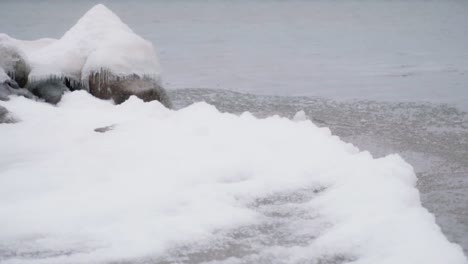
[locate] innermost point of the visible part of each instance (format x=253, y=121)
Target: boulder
x=12, y=61
x=50, y=90
x=108, y=86
x=99, y=53
x=10, y=87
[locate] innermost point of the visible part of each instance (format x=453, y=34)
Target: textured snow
x=162, y=178
x=98, y=41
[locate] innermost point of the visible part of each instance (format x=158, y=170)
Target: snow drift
x=96, y=54
x=153, y=180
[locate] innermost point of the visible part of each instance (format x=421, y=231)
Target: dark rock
x=104, y=129
x=11, y=88
x=4, y=92
x=73, y=85
x=105, y=85
x=51, y=90
x=13, y=84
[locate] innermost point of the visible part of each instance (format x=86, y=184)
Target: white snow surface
x=162, y=177
x=98, y=41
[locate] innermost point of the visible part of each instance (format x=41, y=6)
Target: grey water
x=378, y=50
x=387, y=76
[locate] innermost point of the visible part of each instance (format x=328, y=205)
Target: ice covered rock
x=50, y=90
x=6, y=90
x=12, y=61
x=106, y=85
x=99, y=53
x=10, y=87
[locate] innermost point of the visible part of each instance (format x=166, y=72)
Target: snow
x=99, y=41
x=300, y=116
x=161, y=178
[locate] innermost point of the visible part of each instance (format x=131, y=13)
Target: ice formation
x=97, y=54
x=160, y=180
x=99, y=40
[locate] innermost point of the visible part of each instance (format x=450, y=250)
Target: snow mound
x=98, y=42
x=162, y=180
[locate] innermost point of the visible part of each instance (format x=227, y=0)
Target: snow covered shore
x=161, y=179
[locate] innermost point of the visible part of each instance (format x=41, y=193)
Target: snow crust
x=161, y=177
x=98, y=41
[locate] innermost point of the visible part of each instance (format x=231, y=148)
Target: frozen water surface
x=395, y=73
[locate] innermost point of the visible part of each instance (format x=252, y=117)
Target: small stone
x=104, y=129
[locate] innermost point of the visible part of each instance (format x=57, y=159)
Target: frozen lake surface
x=392, y=77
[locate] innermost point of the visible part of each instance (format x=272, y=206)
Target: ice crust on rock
x=98, y=53
x=164, y=178
x=15, y=57
x=98, y=41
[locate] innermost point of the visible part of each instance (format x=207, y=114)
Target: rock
x=4, y=92
x=104, y=129
x=50, y=90
x=108, y=86
x=11, y=88
x=12, y=61
x=99, y=53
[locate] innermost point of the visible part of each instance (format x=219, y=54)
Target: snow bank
x=160, y=178
x=99, y=43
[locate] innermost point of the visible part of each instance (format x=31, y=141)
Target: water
x=379, y=50
x=391, y=77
